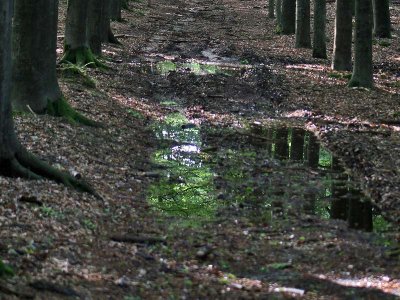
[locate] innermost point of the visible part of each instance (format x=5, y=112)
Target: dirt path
x=228, y=86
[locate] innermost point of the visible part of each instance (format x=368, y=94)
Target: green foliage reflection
x=187, y=187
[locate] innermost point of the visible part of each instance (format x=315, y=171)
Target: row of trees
x=28, y=80
x=372, y=18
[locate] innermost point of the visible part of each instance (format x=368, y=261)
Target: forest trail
x=213, y=183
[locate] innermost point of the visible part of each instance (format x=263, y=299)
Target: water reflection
x=265, y=173
x=200, y=68
x=186, y=188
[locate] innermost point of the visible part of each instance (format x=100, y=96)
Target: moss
x=61, y=108
x=82, y=56
x=72, y=70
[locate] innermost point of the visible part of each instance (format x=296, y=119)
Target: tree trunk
x=93, y=26
x=76, y=45
x=288, y=16
x=271, y=9
x=363, y=72
x=107, y=35
x=34, y=79
x=381, y=18
x=343, y=36
x=303, y=39
x=14, y=159
x=116, y=6
x=319, y=39
x=34, y=55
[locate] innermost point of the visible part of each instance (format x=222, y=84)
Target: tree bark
x=319, y=38
x=116, y=6
x=303, y=39
x=34, y=55
x=76, y=45
x=363, y=71
x=14, y=159
x=94, y=25
x=381, y=18
x=107, y=35
x=343, y=36
x=34, y=79
x=288, y=16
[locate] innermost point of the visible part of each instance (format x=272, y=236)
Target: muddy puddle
x=264, y=174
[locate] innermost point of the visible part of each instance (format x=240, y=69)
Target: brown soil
x=66, y=244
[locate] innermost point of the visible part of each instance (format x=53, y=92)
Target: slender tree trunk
x=14, y=159
x=319, y=39
x=381, y=18
x=271, y=9
x=116, y=6
x=363, y=72
x=343, y=36
x=303, y=39
x=288, y=16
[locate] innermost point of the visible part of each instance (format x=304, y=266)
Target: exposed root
x=82, y=57
x=61, y=108
x=29, y=166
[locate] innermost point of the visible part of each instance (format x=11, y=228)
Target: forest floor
x=200, y=197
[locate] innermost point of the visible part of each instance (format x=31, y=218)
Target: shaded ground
x=220, y=65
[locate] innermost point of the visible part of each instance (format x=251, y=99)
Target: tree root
x=61, y=108
x=26, y=165
x=82, y=57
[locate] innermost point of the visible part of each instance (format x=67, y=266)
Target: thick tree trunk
x=303, y=39
x=381, y=18
x=116, y=6
x=8, y=140
x=14, y=159
x=34, y=55
x=319, y=39
x=34, y=79
x=343, y=36
x=94, y=25
x=363, y=71
x=76, y=46
x=288, y=16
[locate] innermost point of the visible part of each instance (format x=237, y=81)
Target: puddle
x=200, y=68
x=260, y=173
